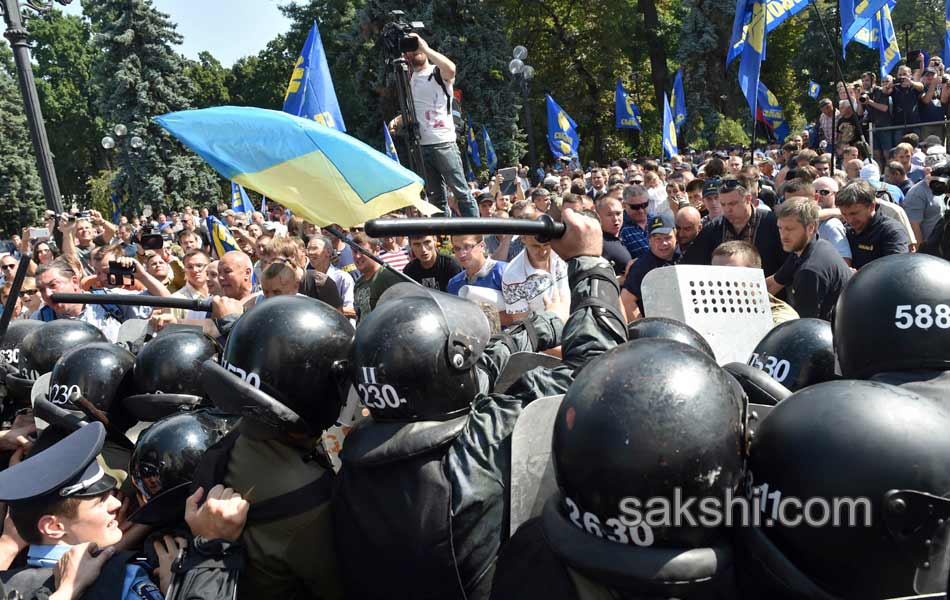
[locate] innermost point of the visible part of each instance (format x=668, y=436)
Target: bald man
x=853, y=168
x=234, y=275
x=688, y=225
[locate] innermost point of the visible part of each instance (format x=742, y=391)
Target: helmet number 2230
x=376, y=395
x=922, y=316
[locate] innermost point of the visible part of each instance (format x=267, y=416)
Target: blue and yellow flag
x=562, y=131
x=814, y=89
x=669, y=130
x=116, y=213
x=491, y=161
x=679, y=101
x=770, y=113
x=323, y=175
x=472, y=145
x=878, y=34
x=239, y=200
x=390, y=146
x=221, y=239
x=778, y=11
x=754, y=13
x=628, y=115
x=946, y=33
x=310, y=93
x=855, y=16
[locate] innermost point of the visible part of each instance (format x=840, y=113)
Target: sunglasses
x=636, y=181
x=13, y=266
x=824, y=192
x=728, y=185
x=638, y=206
x=25, y=293
x=356, y=229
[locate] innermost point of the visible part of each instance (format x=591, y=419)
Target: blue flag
x=946, y=33
x=562, y=131
x=310, y=93
x=679, y=101
x=669, y=130
x=770, y=113
x=116, y=214
x=878, y=34
x=814, y=89
x=855, y=16
x=778, y=11
x=753, y=53
x=491, y=161
x=472, y=145
x=221, y=239
x=628, y=115
x=239, y=200
x=390, y=146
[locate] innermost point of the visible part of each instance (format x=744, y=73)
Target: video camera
x=939, y=178
x=150, y=239
x=395, y=34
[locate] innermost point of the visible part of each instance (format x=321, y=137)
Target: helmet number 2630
x=380, y=396
x=922, y=316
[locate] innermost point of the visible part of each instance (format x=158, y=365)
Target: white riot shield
x=40, y=390
x=532, y=465
x=132, y=330
x=729, y=306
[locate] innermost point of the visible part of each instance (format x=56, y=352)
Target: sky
x=229, y=29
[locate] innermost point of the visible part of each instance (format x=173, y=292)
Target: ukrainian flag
x=221, y=239
x=323, y=175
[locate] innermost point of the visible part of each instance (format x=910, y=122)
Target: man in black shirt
x=431, y=269
x=610, y=212
x=662, y=253
x=814, y=272
x=872, y=235
x=739, y=221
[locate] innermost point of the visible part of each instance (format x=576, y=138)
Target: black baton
x=544, y=229
x=199, y=304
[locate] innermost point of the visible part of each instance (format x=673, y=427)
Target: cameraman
x=905, y=96
x=877, y=108
x=431, y=81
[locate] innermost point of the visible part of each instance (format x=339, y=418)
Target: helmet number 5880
x=922, y=316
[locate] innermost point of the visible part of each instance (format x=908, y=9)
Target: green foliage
x=21, y=198
x=731, y=132
x=209, y=81
x=140, y=77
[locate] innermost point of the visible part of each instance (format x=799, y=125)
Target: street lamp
x=135, y=142
x=907, y=28
x=524, y=73
x=17, y=35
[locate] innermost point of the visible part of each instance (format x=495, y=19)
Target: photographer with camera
x=876, y=101
x=905, y=96
x=433, y=76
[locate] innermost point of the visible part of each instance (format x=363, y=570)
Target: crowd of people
x=341, y=422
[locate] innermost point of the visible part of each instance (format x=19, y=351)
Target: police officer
x=71, y=505
x=634, y=429
x=893, y=324
x=797, y=353
x=423, y=487
x=663, y=253
x=280, y=371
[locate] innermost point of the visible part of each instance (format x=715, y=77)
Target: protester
x=431, y=268
x=663, y=252
x=872, y=235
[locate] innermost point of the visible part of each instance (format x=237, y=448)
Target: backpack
x=883, y=194
x=451, y=104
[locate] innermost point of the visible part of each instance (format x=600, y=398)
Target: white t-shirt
x=435, y=122
x=658, y=201
x=525, y=288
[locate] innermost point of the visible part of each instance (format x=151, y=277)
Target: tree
x=140, y=77
x=65, y=59
x=21, y=197
x=210, y=81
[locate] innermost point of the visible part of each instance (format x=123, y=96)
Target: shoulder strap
x=293, y=503
x=438, y=79
x=112, y=310
x=214, y=464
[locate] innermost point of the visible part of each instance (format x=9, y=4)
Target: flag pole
x=755, y=122
x=839, y=74
x=357, y=248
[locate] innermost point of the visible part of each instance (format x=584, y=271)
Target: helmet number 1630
x=922, y=316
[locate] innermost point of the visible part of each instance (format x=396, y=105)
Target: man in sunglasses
x=831, y=230
x=634, y=235
x=739, y=221
x=8, y=265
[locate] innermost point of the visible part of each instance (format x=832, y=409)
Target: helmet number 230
x=922, y=316
x=380, y=396
x=776, y=368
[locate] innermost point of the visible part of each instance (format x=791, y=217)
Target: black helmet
x=668, y=329
x=10, y=346
x=413, y=356
x=894, y=315
x=165, y=458
x=797, y=353
x=43, y=346
x=641, y=421
x=281, y=367
x=167, y=374
x=881, y=449
x=93, y=380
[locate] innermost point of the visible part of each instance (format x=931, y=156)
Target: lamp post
x=132, y=143
x=17, y=35
x=524, y=73
x=907, y=28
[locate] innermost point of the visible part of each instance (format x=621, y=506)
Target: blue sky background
x=229, y=29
